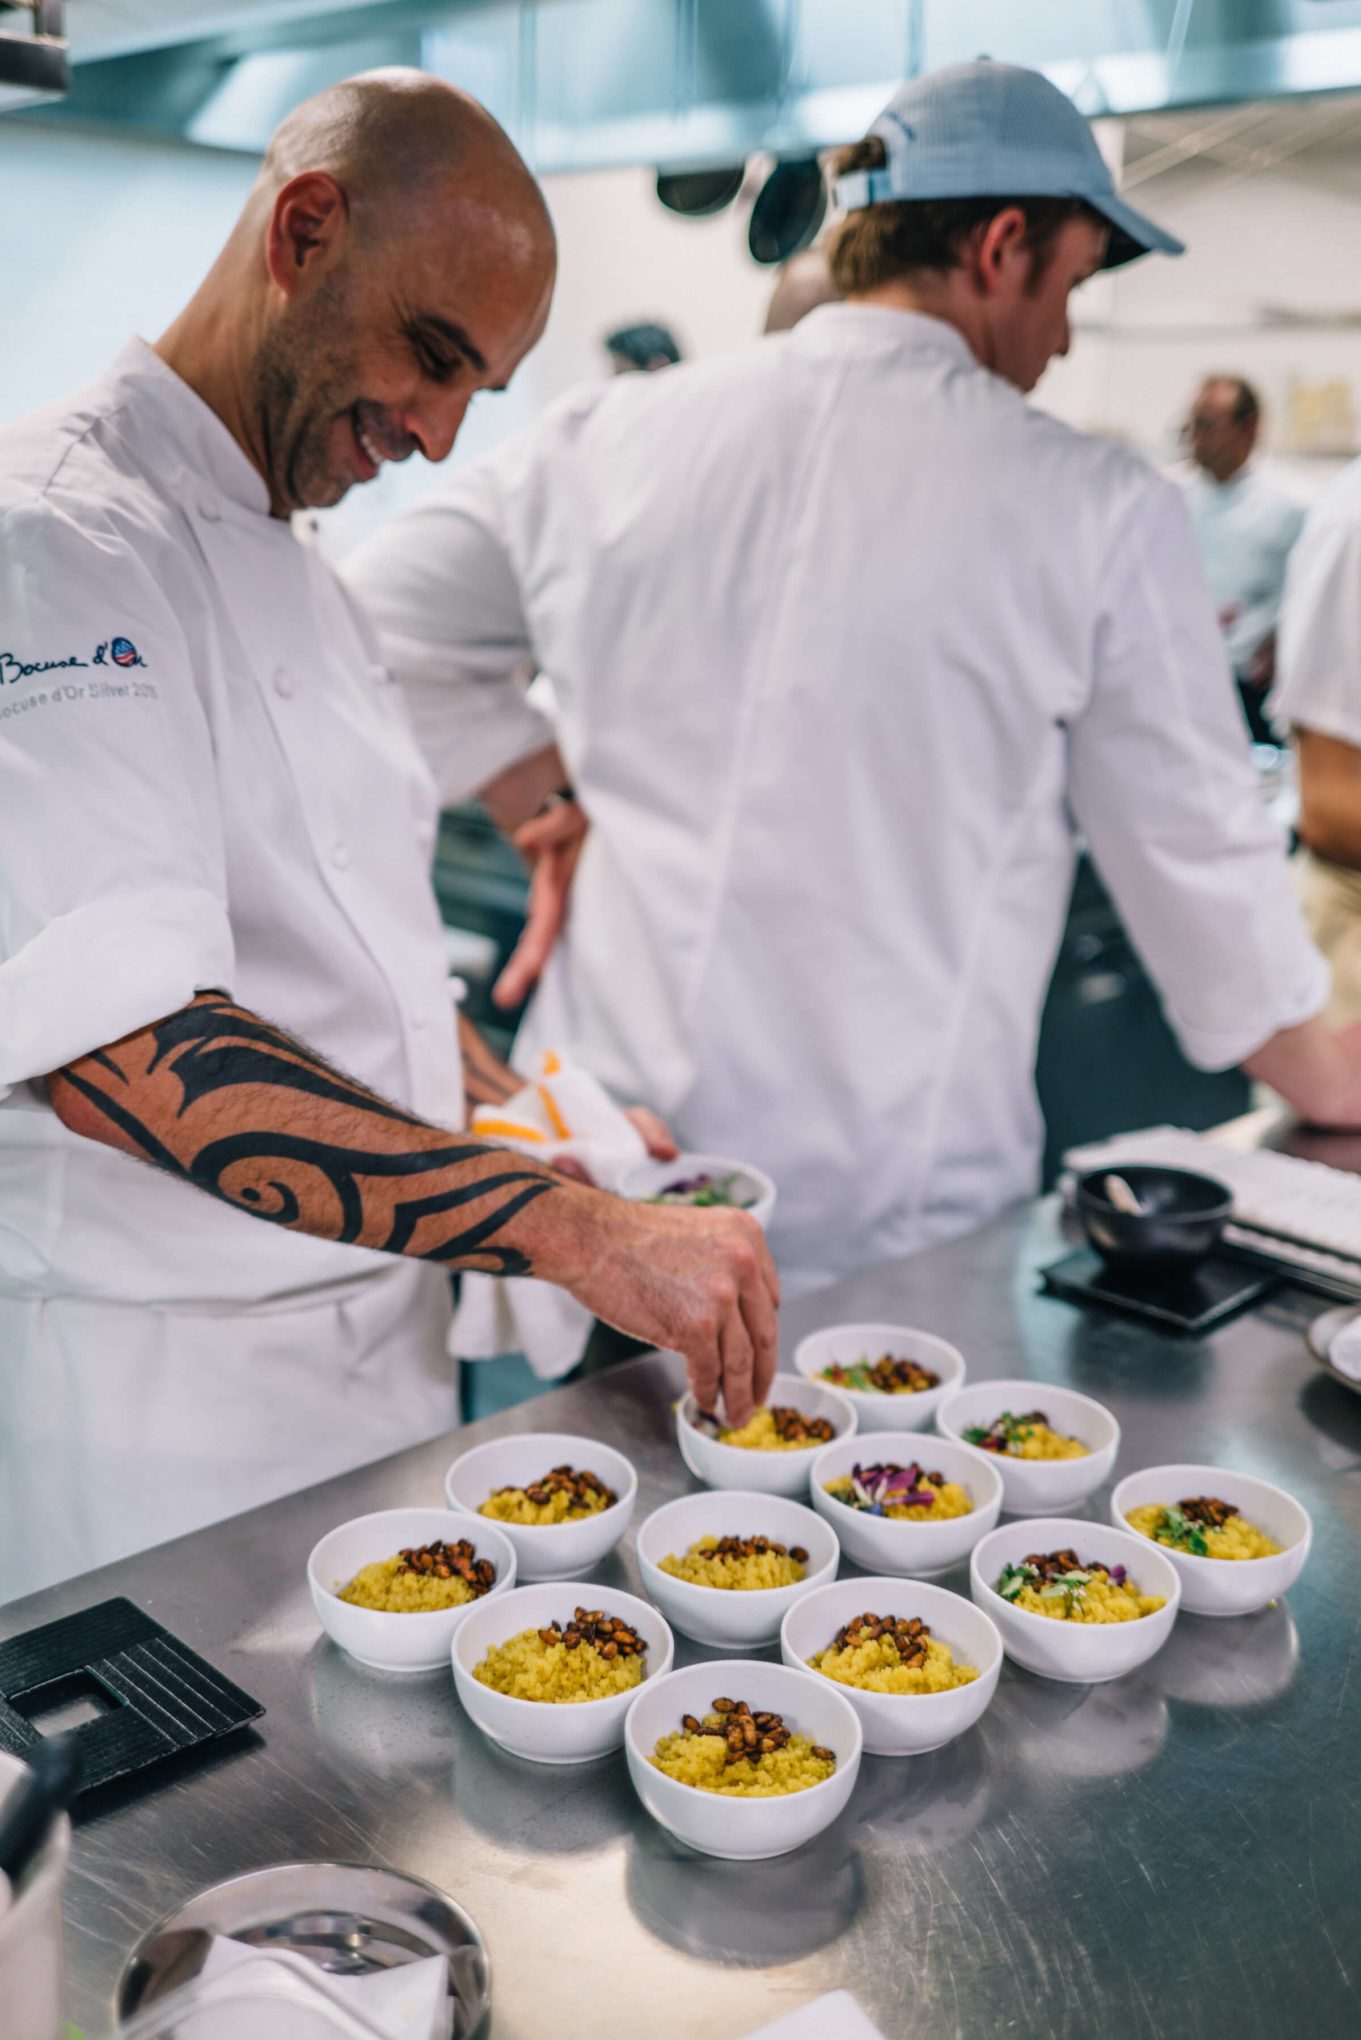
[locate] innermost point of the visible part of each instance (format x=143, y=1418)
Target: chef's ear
x=307, y=224
x=1002, y=246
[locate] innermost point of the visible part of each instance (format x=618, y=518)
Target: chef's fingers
x=763, y=1329
x=548, y=890
x=561, y=827
x=738, y=1359
x=575, y=1171
x=656, y=1133
x=704, y=1372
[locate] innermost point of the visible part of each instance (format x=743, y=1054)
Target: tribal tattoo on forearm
x=225, y=1100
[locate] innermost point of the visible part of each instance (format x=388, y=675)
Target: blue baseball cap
x=986, y=130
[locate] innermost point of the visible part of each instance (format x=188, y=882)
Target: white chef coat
x=1245, y=528
x=848, y=638
x=1318, y=660
x=207, y=780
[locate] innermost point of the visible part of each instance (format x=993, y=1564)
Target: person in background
x=638, y=350
x=220, y=953
x=804, y=283
x=1318, y=695
x=1245, y=523
x=850, y=641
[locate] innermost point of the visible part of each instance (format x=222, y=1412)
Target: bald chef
x=221, y=966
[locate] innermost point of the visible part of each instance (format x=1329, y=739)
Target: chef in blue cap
x=852, y=643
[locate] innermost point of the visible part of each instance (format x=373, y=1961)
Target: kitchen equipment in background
x=347, y=1919
x=143, y=1694
x=1177, y=1218
x=699, y=194
x=1293, y=1216
x=32, y=1972
x=790, y=208
x=1190, y=1301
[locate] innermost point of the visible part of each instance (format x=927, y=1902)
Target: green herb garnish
x=1177, y=1529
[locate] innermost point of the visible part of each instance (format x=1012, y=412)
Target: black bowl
x=1181, y=1221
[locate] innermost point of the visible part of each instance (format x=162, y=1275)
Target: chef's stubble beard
x=303, y=381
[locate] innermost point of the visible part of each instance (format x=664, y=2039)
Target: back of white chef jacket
x=845, y=634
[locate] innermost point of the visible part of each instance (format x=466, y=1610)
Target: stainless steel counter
x=1172, y=1853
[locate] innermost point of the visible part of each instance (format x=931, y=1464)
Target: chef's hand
x=698, y=1283
x=1262, y=665
x=550, y=844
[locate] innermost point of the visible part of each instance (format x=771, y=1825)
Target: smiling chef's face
x=386, y=322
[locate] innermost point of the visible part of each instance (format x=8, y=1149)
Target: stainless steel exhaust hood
x=684, y=83
x=33, y=54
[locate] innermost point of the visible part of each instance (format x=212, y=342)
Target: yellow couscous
x=421, y=1580
x=1028, y=1437
x=1183, y=1528
x=562, y=1496
x=741, y=1754
x=948, y=1498
x=593, y=1658
x=742, y=1564
x=1065, y=1588
x=389, y=1587
x=775, y=1427
x=887, y=1654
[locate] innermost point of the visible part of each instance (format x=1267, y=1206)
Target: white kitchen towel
x=562, y=1112
x=410, y=2002
x=834, y=2017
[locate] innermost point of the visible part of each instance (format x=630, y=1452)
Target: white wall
x=100, y=236
x=1253, y=245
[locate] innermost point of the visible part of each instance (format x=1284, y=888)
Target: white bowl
x=549, y=1732
x=848, y=1343
x=1223, y=1586
x=649, y=1178
x=547, y=1551
x=901, y=1724
x=743, y=1830
x=899, y=1544
x=767, y=1473
x=1038, y=1487
x=1082, y=1653
x=731, y=1619
x=398, y=1643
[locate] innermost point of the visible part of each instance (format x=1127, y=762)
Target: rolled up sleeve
x=113, y=898
x=1162, y=786
x=441, y=588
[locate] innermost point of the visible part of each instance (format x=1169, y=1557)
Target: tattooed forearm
x=486, y=1079
x=221, y=1098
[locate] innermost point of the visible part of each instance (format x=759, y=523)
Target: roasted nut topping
x=445, y=1561
x=889, y=1375
x=1209, y=1510
x=746, y=1734
x=796, y=1428
x=907, y=1633
x=581, y=1486
x=754, y=1547
x=606, y=1633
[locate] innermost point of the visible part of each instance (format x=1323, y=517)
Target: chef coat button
x=208, y=509
x=340, y=856
x=283, y=682
x=418, y=1021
